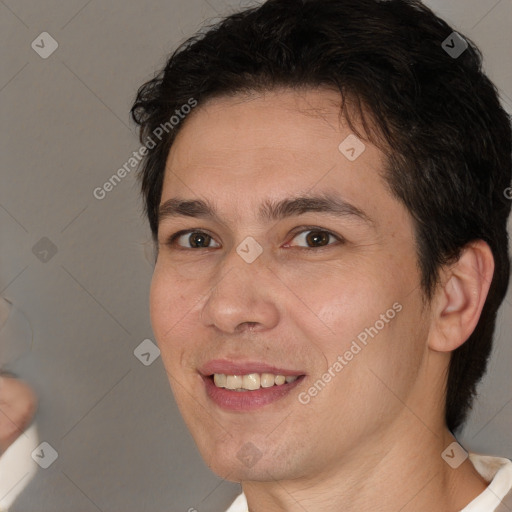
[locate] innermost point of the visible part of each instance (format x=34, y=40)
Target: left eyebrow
x=270, y=210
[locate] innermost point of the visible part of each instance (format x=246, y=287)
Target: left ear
x=459, y=300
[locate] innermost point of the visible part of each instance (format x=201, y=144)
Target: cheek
x=168, y=305
x=360, y=313
x=158, y=311
x=339, y=302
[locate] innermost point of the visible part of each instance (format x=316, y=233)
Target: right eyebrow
x=269, y=210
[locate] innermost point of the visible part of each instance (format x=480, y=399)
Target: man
x=325, y=181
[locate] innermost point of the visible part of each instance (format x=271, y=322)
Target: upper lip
x=232, y=367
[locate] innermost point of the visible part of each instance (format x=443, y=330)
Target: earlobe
x=460, y=299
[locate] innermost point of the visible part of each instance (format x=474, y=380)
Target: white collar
x=495, y=470
x=498, y=472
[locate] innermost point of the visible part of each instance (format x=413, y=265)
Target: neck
x=405, y=473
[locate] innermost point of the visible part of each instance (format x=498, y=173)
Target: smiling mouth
x=251, y=381
x=241, y=399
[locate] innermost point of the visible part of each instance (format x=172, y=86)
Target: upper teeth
x=251, y=381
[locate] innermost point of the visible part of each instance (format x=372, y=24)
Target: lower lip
x=247, y=400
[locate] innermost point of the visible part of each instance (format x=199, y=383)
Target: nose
x=243, y=298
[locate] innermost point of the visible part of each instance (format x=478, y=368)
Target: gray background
x=121, y=442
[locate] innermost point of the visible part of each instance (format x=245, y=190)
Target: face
x=254, y=287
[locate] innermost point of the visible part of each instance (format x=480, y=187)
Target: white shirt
x=495, y=470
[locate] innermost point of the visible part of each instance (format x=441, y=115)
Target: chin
x=233, y=460
x=237, y=472
x=248, y=463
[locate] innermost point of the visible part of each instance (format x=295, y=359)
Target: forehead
x=266, y=124
x=242, y=150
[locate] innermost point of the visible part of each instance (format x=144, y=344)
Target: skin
x=372, y=438
x=18, y=404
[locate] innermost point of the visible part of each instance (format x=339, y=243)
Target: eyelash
x=303, y=229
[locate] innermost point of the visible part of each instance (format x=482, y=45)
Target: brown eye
x=199, y=239
x=315, y=238
x=318, y=238
x=192, y=240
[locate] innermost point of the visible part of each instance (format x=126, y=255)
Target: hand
x=18, y=404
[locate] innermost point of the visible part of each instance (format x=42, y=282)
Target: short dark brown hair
x=446, y=137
